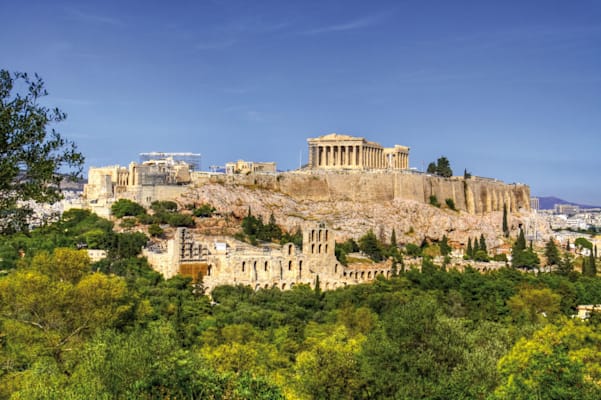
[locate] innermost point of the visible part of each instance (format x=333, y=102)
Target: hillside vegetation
x=115, y=329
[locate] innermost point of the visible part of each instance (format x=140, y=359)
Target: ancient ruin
x=336, y=151
x=225, y=261
x=342, y=170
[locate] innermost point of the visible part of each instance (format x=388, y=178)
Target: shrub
x=203, y=211
x=127, y=208
x=450, y=203
x=155, y=231
x=434, y=201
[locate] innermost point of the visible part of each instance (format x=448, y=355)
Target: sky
x=505, y=89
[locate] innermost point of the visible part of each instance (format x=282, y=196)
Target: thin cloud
x=82, y=16
x=359, y=23
x=216, y=45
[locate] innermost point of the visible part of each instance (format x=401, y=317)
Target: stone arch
x=257, y=287
x=336, y=269
x=290, y=265
x=362, y=274
x=283, y=286
x=313, y=248
x=326, y=235
x=243, y=266
x=289, y=249
x=327, y=285
x=344, y=274
x=326, y=249
x=266, y=286
x=388, y=274
x=265, y=266
x=313, y=235
x=209, y=268
x=291, y=285
x=319, y=249
x=300, y=269
x=319, y=236
x=254, y=270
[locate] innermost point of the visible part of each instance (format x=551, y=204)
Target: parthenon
x=336, y=151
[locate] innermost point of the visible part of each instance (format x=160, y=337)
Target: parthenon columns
x=346, y=152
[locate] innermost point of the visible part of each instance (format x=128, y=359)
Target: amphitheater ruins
x=223, y=260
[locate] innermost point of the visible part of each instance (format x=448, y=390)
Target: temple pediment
x=338, y=137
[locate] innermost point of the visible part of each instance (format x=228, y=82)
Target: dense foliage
x=116, y=329
x=442, y=167
x=32, y=154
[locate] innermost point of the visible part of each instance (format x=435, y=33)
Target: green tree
x=552, y=253
x=155, y=230
x=583, y=243
x=483, y=243
x=164, y=205
x=31, y=153
x=330, y=369
x=592, y=265
x=558, y=362
x=450, y=203
x=445, y=249
x=370, y=245
x=126, y=208
x=566, y=265
x=505, y=224
x=431, y=168
x=443, y=167
x=469, y=252
x=393, y=240
x=204, y=211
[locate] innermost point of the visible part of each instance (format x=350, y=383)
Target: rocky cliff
x=353, y=203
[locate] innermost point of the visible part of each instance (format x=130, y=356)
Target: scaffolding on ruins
x=192, y=159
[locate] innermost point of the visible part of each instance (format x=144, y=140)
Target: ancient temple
x=336, y=151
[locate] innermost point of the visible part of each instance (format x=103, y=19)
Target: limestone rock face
x=413, y=221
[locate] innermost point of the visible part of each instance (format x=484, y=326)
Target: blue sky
x=506, y=89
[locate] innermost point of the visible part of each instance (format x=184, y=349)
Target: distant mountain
x=548, y=203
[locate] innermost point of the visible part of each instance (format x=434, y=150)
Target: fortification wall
x=474, y=195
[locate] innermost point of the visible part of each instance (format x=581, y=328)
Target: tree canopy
x=442, y=167
x=32, y=154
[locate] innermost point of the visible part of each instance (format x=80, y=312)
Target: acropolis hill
x=341, y=168
x=350, y=186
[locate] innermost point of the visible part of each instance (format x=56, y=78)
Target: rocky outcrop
x=353, y=214
x=474, y=195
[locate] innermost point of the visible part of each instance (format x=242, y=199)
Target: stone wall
x=474, y=195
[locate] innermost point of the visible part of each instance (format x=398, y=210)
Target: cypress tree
x=470, y=250
x=520, y=244
x=592, y=265
x=393, y=242
x=568, y=245
x=476, y=246
x=483, y=243
x=505, y=225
